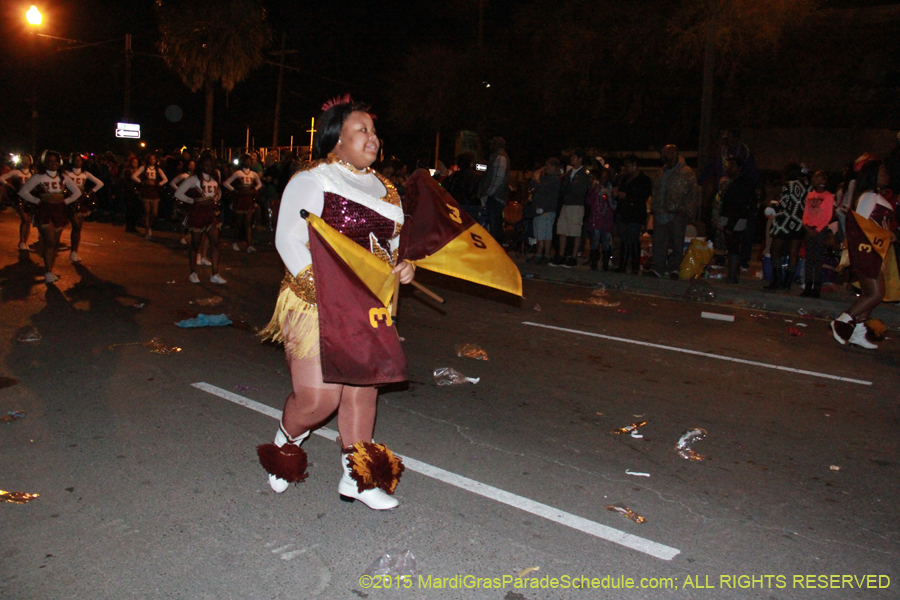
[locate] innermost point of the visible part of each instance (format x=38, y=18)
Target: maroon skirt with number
x=51, y=214
x=201, y=217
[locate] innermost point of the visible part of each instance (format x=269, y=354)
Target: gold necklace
x=332, y=157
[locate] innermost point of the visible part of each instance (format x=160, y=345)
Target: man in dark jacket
x=631, y=214
x=737, y=200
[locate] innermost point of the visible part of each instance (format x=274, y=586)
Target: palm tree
x=209, y=42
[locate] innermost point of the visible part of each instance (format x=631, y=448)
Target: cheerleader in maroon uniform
x=51, y=215
x=80, y=209
x=248, y=183
x=866, y=263
x=14, y=180
x=150, y=177
x=351, y=197
x=201, y=192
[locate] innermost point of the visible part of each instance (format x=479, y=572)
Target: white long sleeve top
x=19, y=174
x=245, y=178
x=51, y=182
x=208, y=186
x=306, y=190
x=81, y=177
x=149, y=175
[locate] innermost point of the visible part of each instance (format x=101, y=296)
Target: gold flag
x=879, y=238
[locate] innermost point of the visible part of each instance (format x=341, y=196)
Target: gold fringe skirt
x=295, y=322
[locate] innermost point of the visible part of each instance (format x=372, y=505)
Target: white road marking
x=698, y=353
x=581, y=524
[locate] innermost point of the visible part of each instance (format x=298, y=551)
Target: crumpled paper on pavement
x=17, y=497
x=203, y=320
x=450, y=376
x=214, y=301
x=627, y=512
x=598, y=298
x=471, y=351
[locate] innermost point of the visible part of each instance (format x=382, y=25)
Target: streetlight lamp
x=33, y=15
x=34, y=18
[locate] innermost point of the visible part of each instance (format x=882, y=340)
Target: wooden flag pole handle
x=426, y=291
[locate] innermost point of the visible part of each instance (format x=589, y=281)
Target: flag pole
x=427, y=292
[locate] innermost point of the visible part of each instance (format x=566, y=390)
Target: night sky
x=80, y=91
x=353, y=46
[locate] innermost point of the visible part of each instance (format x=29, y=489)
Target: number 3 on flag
x=454, y=213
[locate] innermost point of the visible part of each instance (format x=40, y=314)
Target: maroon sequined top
x=357, y=222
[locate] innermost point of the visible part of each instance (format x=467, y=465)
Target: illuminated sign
x=128, y=130
x=480, y=167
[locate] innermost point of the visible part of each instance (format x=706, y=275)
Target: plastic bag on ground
x=393, y=563
x=450, y=376
x=699, y=291
x=30, y=336
x=206, y=321
x=686, y=441
x=695, y=260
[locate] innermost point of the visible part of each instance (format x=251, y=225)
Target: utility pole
x=278, y=93
x=709, y=72
x=128, y=55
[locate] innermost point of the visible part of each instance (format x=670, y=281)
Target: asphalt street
x=150, y=487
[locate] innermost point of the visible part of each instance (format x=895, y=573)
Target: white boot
x=859, y=337
x=376, y=499
x=841, y=328
x=277, y=484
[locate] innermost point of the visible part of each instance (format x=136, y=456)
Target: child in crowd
x=817, y=216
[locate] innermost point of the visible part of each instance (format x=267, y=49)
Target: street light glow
x=34, y=15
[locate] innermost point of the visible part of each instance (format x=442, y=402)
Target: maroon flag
x=440, y=236
x=358, y=341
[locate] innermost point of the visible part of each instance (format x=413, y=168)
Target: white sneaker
x=183, y=241
x=205, y=262
x=194, y=278
x=250, y=249
x=73, y=256
x=841, y=328
x=148, y=236
x=50, y=277
x=277, y=484
x=376, y=499
x=859, y=337
x=235, y=247
x=23, y=246
x=218, y=279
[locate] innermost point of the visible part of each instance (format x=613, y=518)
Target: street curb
x=746, y=295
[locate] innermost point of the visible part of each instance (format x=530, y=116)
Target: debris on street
x=627, y=512
x=471, y=351
x=632, y=429
x=213, y=301
x=686, y=441
x=203, y=320
x=13, y=415
x=30, y=336
x=636, y=473
x=393, y=563
x=450, y=376
x=17, y=497
x=699, y=291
